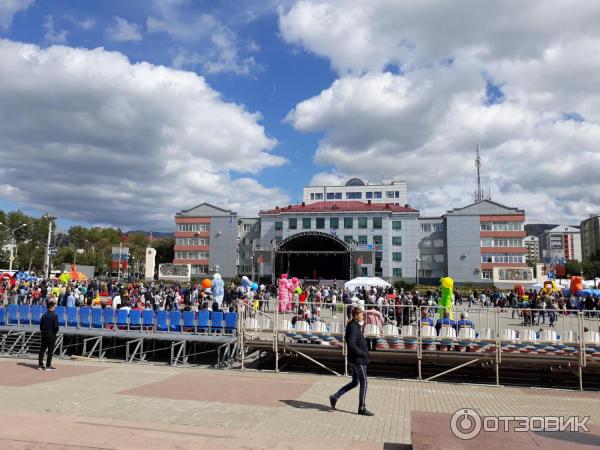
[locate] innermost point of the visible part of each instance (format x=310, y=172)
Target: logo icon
x=465, y=424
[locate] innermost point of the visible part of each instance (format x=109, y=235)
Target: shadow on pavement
x=298, y=404
x=31, y=366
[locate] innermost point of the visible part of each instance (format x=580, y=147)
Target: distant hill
x=155, y=234
x=537, y=229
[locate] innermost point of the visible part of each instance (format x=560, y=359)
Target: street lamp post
x=13, y=243
x=417, y=261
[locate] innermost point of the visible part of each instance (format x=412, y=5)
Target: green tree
x=165, y=252
x=573, y=268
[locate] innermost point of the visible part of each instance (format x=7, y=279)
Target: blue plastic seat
x=2, y=316
x=108, y=318
x=61, y=314
x=148, y=319
x=13, y=314
x=135, y=319
x=216, y=321
x=203, y=321
x=189, y=321
x=36, y=314
x=84, y=317
x=24, y=315
x=161, y=321
x=44, y=309
x=122, y=316
x=72, y=319
x=230, y=322
x=175, y=321
x=97, y=317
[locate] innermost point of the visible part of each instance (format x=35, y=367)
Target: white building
x=533, y=249
x=562, y=243
x=393, y=192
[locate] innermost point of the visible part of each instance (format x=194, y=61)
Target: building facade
x=393, y=192
x=590, y=236
x=485, y=244
x=432, y=249
x=532, y=244
x=248, y=240
x=206, y=239
x=561, y=243
x=388, y=232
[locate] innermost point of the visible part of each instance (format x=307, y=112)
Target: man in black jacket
x=358, y=357
x=48, y=329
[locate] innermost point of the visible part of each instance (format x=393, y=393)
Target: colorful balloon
x=206, y=283
x=298, y=290
x=254, y=286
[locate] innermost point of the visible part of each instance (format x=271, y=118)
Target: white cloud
x=89, y=136
x=8, y=9
x=423, y=120
x=53, y=36
x=221, y=49
x=124, y=31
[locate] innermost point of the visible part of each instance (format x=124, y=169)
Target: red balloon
x=206, y=283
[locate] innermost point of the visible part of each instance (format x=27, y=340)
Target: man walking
x=358, y=357
x=48, y=329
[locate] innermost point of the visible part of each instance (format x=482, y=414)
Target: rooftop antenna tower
x=478, y=192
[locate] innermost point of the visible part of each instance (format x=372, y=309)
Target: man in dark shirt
x=358, y=357
x=48, y=329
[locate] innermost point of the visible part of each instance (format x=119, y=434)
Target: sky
x=123, y=113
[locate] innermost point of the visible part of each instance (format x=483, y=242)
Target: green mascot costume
x=446, y=300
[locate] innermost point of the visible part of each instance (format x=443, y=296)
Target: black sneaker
x=41, y=368
x=365, y=412
x=50, y=368
x=332, y=401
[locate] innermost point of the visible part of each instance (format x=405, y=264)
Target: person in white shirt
x=116, y=301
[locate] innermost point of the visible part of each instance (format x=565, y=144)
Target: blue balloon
x=255, y=286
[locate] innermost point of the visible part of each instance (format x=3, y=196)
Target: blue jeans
x=359, y=376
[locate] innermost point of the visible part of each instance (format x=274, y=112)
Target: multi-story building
x=562, y=243
x=340, y=239
x=248, y=240
x=206, y=239
x=485, y=244
x=590, y=236
x=432, y=250
x=532, y=244
x=393, y=192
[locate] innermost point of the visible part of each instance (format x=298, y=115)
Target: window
x=438, y=243
x=377, y=194
x=438, y=227
x=319, y=196
x=487, y=242
x=279, y=225
x=486, y=226
x=427, y=259
x=312, y=196
x=369, y=195
x=191, y=241
x=306, y=223
x=438, y=258
x=396, y=256
x=247, y=227
x=348, y=239
x=362, y=239
x=501, y=226
x=486, y=274
x=397, y=194
x=396, y=224
x=377, y=223
x=353, y=195
x=348, y=223
x=426, y=227
x=320, y=223
x=338, y=195
x=292, y=223
x=192, y=227
x=377, y=240
x=191, y=255
x=397, y=272
x=427, y=243
x=425, y=273
x=501, y=258
x=330, y=195
x=199, y=269
x=389, y=194
x=334, y=223
x=396, y=241
x=362, y=222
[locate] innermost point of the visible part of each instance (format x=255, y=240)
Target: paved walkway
x=89, y=404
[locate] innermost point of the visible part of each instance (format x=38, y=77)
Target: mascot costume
x=446, y=299
x=245, y=284
x=576, y=285
x=284, y=293
x=218, y=289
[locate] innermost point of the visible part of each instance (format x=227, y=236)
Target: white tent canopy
x=366, y=282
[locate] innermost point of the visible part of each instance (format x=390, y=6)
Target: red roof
x=340, y=206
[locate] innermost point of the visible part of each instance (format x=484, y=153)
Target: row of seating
x=122, y=319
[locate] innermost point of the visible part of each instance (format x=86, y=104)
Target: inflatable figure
x=576, y=285
x=284, y=293
x=519, y=290
x=218, y=288
x=446, y=298
x=245, y=283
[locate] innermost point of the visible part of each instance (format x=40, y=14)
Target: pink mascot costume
x=284, y=293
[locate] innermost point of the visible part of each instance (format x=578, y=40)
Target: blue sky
x=260, y=98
